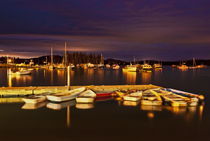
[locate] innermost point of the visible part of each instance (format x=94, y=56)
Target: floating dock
x=23, y=91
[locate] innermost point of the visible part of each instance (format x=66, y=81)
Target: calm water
x=108, y=120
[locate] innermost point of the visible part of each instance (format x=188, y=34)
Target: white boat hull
x=151, y=103
x=84, y=106
x=65, y=96
x=131, y=98
x=35, y=99
x=85, y=99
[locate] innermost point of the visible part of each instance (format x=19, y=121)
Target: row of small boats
x=161, y=96
x=152, y=97
x=82, y=95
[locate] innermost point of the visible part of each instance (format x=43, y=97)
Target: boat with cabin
x=131, y=68
x=158, y=66
x=146, y=66
x=115, y=67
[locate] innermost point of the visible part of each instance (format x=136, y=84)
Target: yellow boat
x=149, y=98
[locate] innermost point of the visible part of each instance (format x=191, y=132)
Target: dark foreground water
x=108, y=120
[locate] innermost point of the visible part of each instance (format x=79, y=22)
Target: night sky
x=146, y=29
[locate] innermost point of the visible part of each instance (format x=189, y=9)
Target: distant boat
x=131, y=68
x=183, y=66
x=65, y=96
x=173, y=66
x=115, y=67
x=90, y=65
x=86, y=97
x=100, y=65
x=146, y=67
x=108, y=66
x=157, y=66
x=201, y=66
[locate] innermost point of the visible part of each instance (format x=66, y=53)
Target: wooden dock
x=23, y=91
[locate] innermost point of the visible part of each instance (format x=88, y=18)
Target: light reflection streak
x=130, y=77
x=146, y=77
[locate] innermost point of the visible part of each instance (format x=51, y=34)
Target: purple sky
x=146, y=29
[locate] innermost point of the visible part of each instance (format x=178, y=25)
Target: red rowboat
x=103, y=94
x=105, y=98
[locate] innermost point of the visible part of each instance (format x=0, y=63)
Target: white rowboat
x=65, y=96
x=34, y=99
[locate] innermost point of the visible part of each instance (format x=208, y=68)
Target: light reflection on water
x=124, y=121
x=188, y=113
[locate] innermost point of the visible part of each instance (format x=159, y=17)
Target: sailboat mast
x=65, y=56
x=102, y=59
x=51, y=56
x=194, y=63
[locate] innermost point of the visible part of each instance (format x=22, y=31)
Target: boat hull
x=65, y=96
x=85, y=99
x=151, y=103
x=131, y=98
x=34, y=100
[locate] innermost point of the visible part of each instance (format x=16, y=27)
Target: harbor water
x=107, y=119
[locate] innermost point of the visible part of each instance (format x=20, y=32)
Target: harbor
x=106, y=70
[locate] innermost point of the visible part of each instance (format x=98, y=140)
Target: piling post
x=69, y=77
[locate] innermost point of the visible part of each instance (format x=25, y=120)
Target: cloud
x=117, y=28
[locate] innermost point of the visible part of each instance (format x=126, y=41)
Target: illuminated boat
x=86, y=97
x=115, y=67
x=108, y=66
x=35, y=99
x=148, y=98
x=183, y=66
x=136, y=96
x=90, y=65
x=65, y=96
x=131, y=68
x=146, y=67
x=173, y=99
x=157, y=66
x=196, y=97
x=120, y=93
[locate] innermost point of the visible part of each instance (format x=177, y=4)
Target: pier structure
x=36, y=90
